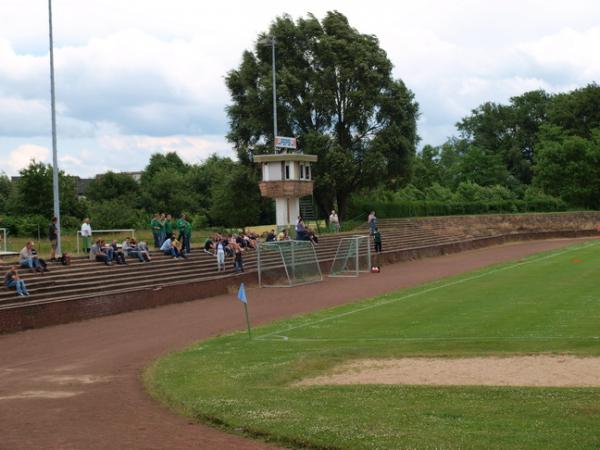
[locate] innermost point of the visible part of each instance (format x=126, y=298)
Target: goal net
x=353, y=256
x=287, y=264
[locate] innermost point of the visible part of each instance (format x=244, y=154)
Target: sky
x=138, y=77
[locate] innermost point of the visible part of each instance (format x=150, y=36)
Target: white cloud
x=142, y=76
x=21, y=156
x=192, y=149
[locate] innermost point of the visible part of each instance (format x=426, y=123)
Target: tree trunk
x=342, y=201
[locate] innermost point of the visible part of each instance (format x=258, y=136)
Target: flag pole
x=247, y=320
x=242, y=298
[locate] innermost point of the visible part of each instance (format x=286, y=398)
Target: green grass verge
x=547, y=303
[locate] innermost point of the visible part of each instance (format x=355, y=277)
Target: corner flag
x=242, y=294
x=242, y=298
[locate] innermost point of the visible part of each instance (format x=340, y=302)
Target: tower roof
x=285, y=157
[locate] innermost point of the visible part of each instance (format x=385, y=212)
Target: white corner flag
x=242, y=298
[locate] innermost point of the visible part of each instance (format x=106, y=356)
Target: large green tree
x=5, y=188
x=337, y=95
x=509, y=131
x=33, y=192
x=577, y=112
x=111, y=185
x=569, y=166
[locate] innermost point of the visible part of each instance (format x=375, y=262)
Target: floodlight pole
x=55, y=190
x=274, y=92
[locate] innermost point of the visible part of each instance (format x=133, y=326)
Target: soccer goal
x=287, y=264
x=353, y=256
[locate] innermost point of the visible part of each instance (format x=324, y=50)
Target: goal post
x=287, y=264
x=353, y=255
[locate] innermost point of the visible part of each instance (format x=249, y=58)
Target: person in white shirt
x=86, y=234
x=168, y=249
x=334, y=222
x=220, y=256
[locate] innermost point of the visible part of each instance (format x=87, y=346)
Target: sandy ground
x=538, y=370
x=78, y=386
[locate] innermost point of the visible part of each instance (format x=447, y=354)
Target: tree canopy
x=336, y=95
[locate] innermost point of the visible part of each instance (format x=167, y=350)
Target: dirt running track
x=78, y=386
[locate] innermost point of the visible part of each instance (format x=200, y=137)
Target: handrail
x=119, y=230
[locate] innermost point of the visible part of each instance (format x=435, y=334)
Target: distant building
x=137, y=176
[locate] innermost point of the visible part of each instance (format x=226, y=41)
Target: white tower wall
x=287, y=211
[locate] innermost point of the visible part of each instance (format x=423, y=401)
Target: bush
x=112, y=214
x=361, y=207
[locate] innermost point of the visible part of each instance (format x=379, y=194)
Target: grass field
x=547, y=303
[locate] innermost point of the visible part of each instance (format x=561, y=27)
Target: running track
x=78, y=386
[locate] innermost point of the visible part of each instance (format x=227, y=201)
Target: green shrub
x=361, y=207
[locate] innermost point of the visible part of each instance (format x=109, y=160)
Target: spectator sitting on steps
x=118, y=254
x=209, y=246
x=27, y=259
x=144, y=251
x=168, y=249
x=130, y=249
x=12, y=280
x=41, y=261
x=97, y=254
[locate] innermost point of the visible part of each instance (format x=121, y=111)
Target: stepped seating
x=86, y=278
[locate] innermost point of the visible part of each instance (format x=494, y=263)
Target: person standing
x=168, y=227
x=377, y=240
x=372, y=222
x=220, y=256
x=163, y=233
x=334, y=222
x=86, y=234
x=53, y=238
x=238, y=260
x=156, y=226
x=300, y=229
x=188, y=235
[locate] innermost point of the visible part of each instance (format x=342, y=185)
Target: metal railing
x=131, y=231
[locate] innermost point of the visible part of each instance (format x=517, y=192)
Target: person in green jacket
x=168, y=227
x=163, y=234
x=156, y=226
x=185, y=230
x=188, y=235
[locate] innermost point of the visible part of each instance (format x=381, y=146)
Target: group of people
x=163, y=229
x=233, y=246
x=115, y=252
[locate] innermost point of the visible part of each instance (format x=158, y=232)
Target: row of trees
x=550, y=142
x=219, y=192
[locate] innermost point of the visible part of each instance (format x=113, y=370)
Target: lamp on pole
x=55, y=190
x=270, y=40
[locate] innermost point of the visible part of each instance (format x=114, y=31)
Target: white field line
x=432, y=339
x=425, y=291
